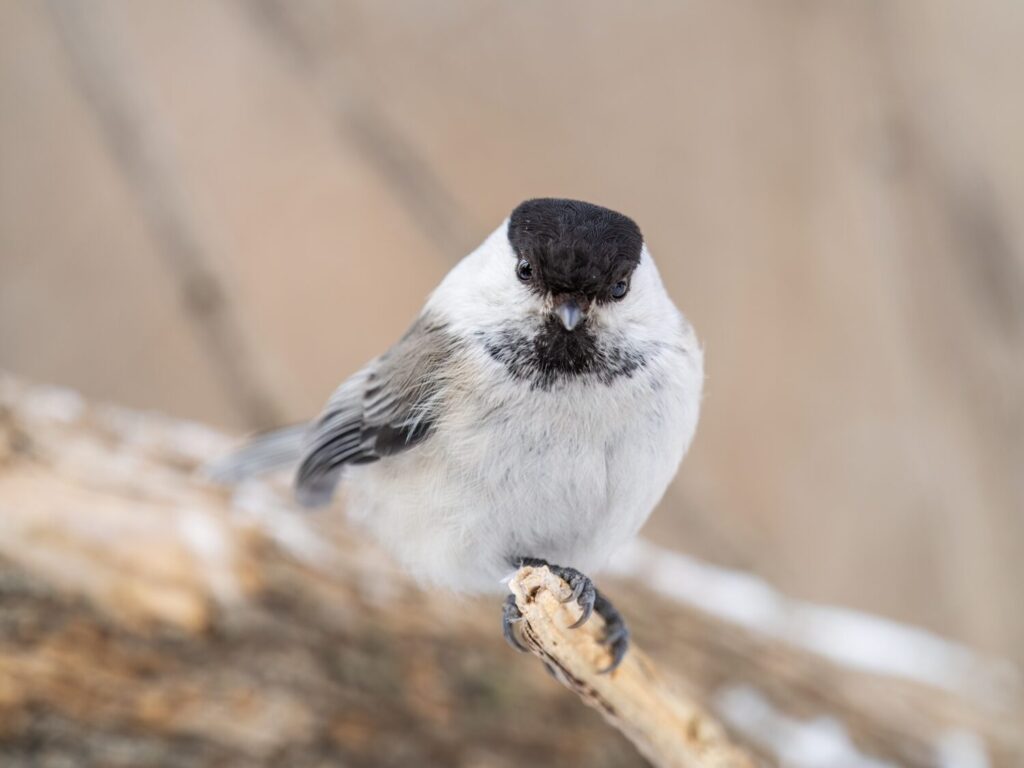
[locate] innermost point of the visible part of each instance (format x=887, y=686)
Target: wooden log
x=148, y=618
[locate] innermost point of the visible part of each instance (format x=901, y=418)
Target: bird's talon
x=510, y=616
x=618, y=651
x=586, y=602
x=576, y=591
x=616, y=637
x=583, y=592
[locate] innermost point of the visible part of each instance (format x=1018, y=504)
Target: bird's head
x=562, y=289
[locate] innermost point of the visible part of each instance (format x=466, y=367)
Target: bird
x=533, y=414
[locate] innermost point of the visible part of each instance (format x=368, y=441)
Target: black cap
x=575, y=247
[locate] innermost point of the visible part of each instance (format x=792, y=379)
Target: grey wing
x=388, y=407
x=272, y=450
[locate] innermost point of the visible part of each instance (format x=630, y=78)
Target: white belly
x=567, y=475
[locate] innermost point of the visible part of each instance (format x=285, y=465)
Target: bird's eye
x=620, y=289
x=524, y=270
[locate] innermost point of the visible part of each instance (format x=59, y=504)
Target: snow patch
x=853, y=639
x=821, y=742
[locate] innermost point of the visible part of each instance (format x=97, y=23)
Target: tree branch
x=668, y=727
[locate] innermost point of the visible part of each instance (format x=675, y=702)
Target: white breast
x=568, y=475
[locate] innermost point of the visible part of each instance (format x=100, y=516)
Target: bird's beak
x=570, y=313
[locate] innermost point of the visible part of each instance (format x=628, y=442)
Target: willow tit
x=534, y=413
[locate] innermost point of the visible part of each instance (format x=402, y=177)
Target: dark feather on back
x=388, y=407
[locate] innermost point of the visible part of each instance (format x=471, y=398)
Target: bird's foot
x=616, y=633
x=510, y=616
x=583, y=590
x=616, y=637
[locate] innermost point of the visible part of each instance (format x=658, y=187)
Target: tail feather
x=264, y=453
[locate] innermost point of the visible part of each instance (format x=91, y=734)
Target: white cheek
x=647, y=312
x=482, y=291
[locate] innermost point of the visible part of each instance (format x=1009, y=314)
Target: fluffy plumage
x=490, y=433
x=388, y=407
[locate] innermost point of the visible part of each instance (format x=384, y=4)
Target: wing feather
x=390, y=406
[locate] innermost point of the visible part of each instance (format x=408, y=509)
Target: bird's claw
x=576, y=591
x=510, y=616
x=586, y=603
x=583, y=592
x=616, y=637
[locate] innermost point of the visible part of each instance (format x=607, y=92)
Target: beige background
x=219, y=210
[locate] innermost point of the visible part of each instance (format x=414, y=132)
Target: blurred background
x=220, y=210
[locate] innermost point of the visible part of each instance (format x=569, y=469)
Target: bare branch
x=667, y=726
